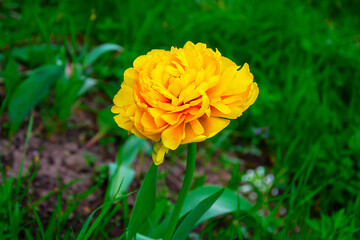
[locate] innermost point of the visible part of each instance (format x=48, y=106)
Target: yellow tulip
x=183, y=95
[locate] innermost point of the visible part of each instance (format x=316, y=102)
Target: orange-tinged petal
x=130, y=111
x=208, y=112
x=225, y=82
x=189, y=93
x=164, y=92
x=138, y=134
x=232, y=99
x=171, y=118
x=197, y=127
x=204, y=106
x=175, y=88
x=124, y=122
x=213, y=125
x=221, y=107
x=172, y=137
x=157, y=113
x=191, y=136
x=148, y=122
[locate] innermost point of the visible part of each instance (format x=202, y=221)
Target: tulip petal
x=191, y=136
x=171, y=118
x=124, y=122
x=130, y=76
x=172, y=137
x=116, y=109
x=213, y=125
x=221, y=107
x=124, y=96
x=197, y=127
x=254, y=94
x=158, y=153
x=148, y=122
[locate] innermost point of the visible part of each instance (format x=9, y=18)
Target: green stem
x=189, y=172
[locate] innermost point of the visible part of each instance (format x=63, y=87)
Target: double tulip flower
x=181, y=96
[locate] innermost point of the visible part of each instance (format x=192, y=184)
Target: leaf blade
x=193, y=217
x=227, y=203
x=30, y=92
x=100, y=50
x=145, y=201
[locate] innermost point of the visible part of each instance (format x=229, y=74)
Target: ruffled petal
x=172, y=137
x=213, y=125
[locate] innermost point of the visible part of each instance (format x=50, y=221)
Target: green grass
x=304, y=55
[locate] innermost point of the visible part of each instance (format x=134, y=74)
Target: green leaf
x=121, y=178
x=88, y=84
x=11, y=75
x=142, y=237
x=193, y=217
x=144, y=203
x=38, y=220
x=131, y=149
x=100, y=50
x=105, y=121
x=227, y=203
x=157, y=222
x=109, y=88
x=36, y=54
x=30, y=92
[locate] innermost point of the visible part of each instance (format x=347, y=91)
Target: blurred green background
x=304, y=56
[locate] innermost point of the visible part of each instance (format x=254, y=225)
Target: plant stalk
x=189, y=172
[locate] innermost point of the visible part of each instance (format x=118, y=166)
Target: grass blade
x=38, y=220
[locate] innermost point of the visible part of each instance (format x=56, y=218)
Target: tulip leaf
x=193, y=217
x=131, y=149
x=11, y=75
x=228, y=202
x=120, y=179
x=88, y=84
x=36, y=55
x=142, y=237
x=157, y=222
x=11, y=79
x=99, y=50
x=30, y=92
x=106, y=123
x=144, y=203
